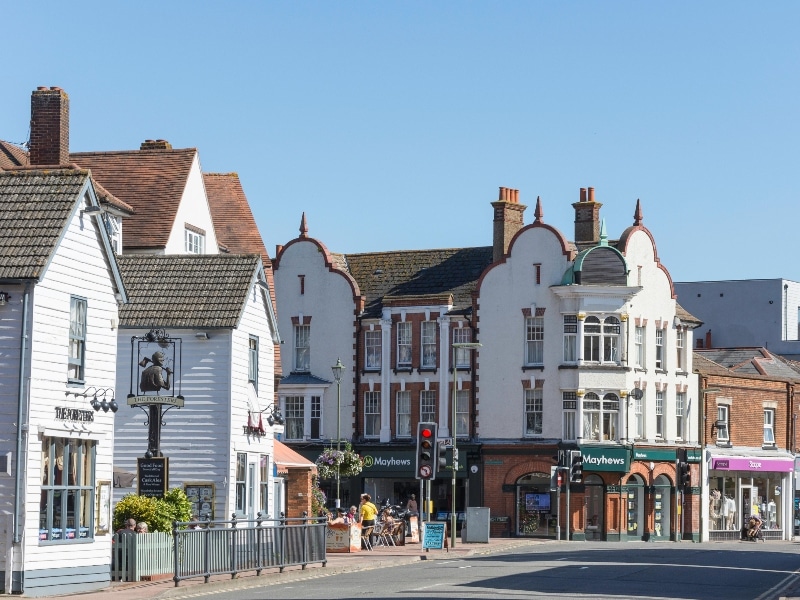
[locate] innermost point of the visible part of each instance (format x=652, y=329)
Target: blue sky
x=392, y=124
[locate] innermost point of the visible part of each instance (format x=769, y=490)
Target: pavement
x=380, y=557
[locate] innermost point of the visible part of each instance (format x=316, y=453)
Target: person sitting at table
x=351, y=516
x=388, y=519
x=339, y=516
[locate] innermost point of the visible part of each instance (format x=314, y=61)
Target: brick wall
x=298, y=492
x=49, y=143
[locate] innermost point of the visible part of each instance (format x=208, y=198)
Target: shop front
x=599, y=505
x=740, y=486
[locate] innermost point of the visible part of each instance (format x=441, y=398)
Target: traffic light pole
x=568, y=529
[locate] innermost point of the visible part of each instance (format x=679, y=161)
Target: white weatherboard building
x=59, y=289
x=219, y=444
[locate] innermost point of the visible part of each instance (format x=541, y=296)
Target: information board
x=153, y=476
x=434, y=535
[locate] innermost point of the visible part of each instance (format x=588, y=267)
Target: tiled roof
x=749, y=361
x=12, y=156
x=106, y=197
x=421, y=273
x=285, y=457
x=180, y=291
x=35, y=206
x=686, y=317
x=303, y=379
x=137, y=177
x=233, y=220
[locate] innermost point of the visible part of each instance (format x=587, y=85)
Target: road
x=568, y=571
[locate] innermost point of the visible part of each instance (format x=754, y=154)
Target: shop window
x=662, y=506
x=66, y=509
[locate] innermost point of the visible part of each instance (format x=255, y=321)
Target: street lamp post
x=338, y=369
x=456, y=346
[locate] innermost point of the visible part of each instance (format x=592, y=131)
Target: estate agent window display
x=66, y=511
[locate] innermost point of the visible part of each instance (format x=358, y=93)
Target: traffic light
x=576, y=466
x=441, y=456
x=684, y=475
x=426, y=459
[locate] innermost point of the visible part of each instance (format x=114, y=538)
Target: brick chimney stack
x=49, y=143
x=508, y=221
x=587, y=218
x=155, y=145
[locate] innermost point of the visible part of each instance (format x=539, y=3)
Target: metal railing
x=208, y=548
x=229, y=547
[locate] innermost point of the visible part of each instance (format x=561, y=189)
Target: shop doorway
x=595, y=508
x=533, y=506
x=747, y=502
x=662, y=507
x=635, y=507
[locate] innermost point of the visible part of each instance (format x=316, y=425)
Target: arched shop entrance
x=634, y=507
x=533, y=511
x=662, y=508
x=595, y=507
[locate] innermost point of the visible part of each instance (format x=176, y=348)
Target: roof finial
x=603, y=233
x=637, y=216
x=538, y=213
x=303, y=226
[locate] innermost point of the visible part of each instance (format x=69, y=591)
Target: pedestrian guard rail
x=207, y=548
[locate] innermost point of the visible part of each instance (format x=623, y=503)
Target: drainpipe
x=22, y=426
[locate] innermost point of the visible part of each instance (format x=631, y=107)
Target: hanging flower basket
x=346, y=462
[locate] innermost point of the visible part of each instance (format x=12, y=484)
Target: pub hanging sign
x=155, y=370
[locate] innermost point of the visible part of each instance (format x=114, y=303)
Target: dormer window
x=195, y=239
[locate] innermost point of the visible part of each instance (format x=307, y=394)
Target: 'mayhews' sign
x=605, y=459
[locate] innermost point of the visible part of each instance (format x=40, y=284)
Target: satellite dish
x=637, y=394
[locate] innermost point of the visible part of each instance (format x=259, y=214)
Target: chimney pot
x=591, y=194
x=583, y=194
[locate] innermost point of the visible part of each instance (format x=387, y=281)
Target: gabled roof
x=421, y=276
x=137, y=177
x=181, y=291
x=748, y=361
x=12, y=156
x=35, y=207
